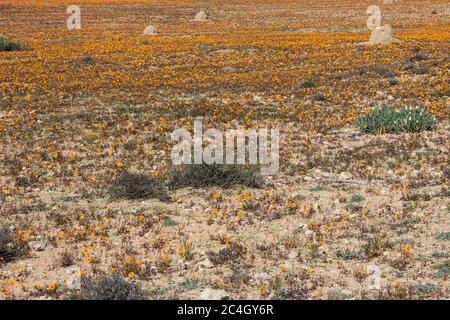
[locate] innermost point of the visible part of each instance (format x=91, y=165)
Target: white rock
x=345, y=176
x=212, y=294
x=201, y=16
x=297, y=196
x=205, y=263
x=74, y=282
x=228, y=69
x=292, y=255
x=37, y=245
x=150, y=31
x=309, y=233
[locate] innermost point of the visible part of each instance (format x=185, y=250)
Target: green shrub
x=87, y=60
x=443, y=270
x=386, y=120
x=10, y=246
x=307, y=83
x=393, y=81
x=109, y=288
x=443, y=236
x=357, y=198
x=8, y=45
x=138, y=186
x=223, y=175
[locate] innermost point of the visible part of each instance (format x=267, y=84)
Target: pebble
x=292, y=255
x=212, y=294
x=37, y=245
x=205, y=263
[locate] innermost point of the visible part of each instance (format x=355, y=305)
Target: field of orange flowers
x=348, y=216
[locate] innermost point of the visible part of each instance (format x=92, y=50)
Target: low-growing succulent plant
x=386, y=120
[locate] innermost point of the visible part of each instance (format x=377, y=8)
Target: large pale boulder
x=202, y=16
x=382, y=35
x=150, y=31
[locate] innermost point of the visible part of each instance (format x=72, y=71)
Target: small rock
x=74, y=280
x=205, y=263
x=292, y=255
x=37, y=245
x=228, y=69
x=297, y=196
x=262, y=276
x=309, y=233
x=212, y=294
x=345, y=176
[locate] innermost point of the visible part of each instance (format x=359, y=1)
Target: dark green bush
x=87, y=60
x=223, y=175
x=392, y=81
x=386, y=120
x=307, y=83
x=8, y=45
x=138, y=186
x=109, y=288
x=10, y=246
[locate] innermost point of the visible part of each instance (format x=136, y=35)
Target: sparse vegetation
x=11, y=246
x=229, y=254
x=443, y=236
x=138, y=186
x=203, y=175
x=8, y=45
x=109, y=288
x=442, y=270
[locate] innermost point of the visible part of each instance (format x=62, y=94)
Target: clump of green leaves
x=8, y=45
x=443, y=270
x=338, y=295
x=138, y=186
x=443, y=236
x=205, y=175
x=386, y=120
x=423, y=289
x=357, y=198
